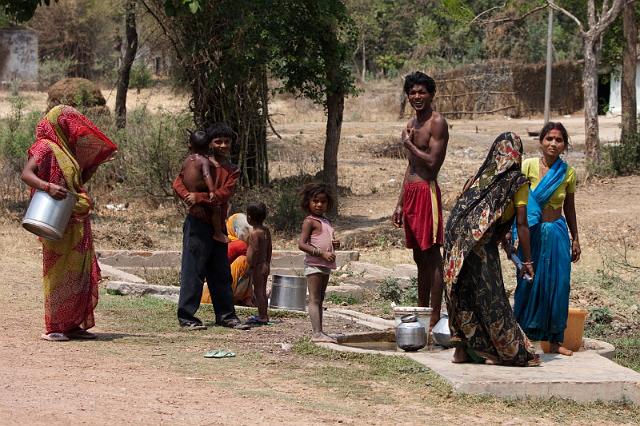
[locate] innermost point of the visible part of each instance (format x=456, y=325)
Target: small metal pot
x=289, y=292
x=47, y=217
x=410, y=334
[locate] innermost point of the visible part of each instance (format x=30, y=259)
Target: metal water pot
x=47, y=217
x=410, y=334
x=288, y=292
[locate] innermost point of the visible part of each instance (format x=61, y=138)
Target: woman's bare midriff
x=550, y=214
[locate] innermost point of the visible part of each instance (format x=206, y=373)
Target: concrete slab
x=588, y=375
x=285, y=259
x=112, y=273
x=346, y=290
x=585, y=376
x=140, y=289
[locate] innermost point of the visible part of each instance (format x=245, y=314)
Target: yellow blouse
x=531, y=169
x=520, y=199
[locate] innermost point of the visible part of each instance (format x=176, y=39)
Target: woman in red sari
x=67, y=151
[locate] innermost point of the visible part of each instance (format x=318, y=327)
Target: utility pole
x=547, y=83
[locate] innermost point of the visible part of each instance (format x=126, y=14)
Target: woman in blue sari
x=542, y=305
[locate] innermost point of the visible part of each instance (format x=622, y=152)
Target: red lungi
x=422, y=215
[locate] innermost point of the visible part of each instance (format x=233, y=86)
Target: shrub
x=140, y=77
x=390, y=290
x=52, y=70
x=600, y=315
x=287, y=214
x=410, y=294
x=151, y=150
x=620, y=159
x=17, y=133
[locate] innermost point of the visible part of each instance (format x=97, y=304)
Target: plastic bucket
x=574, y=331
x=423, y=314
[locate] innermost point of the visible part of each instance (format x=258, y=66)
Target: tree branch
x=567, y=13
x=174, y=42
x=609, y=16
x=485, y=12
x=516, y=19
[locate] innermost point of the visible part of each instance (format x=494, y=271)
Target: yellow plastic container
x=574, y=331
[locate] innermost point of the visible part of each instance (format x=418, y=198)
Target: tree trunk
x=335, y=110
x=364, y=60
x=590, y=87
x=131, y=47
x=629, y=63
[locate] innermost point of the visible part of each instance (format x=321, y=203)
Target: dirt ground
x=144, y=369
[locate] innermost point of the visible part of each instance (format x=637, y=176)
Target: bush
x=620, y=159
x=17, y=133
x=52, y=70
x=287, y=214
x=150, y=153
x=390, y=290
x=410, y=294
x=140, y=77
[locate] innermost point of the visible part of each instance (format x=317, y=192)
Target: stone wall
x=18, y=55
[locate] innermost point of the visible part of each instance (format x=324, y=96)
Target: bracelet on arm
x=47, y=187
x=527, y=263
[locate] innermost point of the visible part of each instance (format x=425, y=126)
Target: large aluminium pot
x=410, y=334
x=47, y=217
x=288, y=292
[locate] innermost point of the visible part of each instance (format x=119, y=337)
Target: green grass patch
x=273, y=313
x=338, y=299
x=361, y=369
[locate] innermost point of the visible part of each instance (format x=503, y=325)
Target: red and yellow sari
x=67, y=143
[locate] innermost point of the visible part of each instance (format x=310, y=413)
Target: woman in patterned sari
x=483, y=326
x=67, y=151
x=542, y=305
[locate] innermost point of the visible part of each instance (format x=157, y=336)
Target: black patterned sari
x=480, y=316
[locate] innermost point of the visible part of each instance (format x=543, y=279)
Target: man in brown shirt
x=202, y=256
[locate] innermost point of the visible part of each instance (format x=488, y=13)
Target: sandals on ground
x=219, y=353
x=80, y=333
x=54, y=337
x=254, y=321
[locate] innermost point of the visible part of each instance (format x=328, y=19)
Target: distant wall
x=506, y=88
x=18, y=55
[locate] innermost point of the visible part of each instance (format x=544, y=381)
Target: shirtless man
x=419, y=206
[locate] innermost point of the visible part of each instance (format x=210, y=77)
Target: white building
x=615, y=103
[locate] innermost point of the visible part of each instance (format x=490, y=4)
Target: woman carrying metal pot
x=67, y=151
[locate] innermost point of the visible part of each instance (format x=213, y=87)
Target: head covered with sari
x=77, y=145
x=474, y=217
x=76, y=135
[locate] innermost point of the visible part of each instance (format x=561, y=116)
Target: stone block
x=138, y=289
x=345, y=291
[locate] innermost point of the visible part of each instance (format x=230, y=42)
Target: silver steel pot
x=441, y=332
x=47, y=217
x=289, y=292
x=410, y=334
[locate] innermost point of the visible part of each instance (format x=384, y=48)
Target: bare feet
x=557, y=349
x=219, y=236
x=460, y=356
x=324, y=338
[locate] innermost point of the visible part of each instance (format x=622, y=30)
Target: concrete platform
x=126, y=259
x=585, y=376
x=588, y=375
